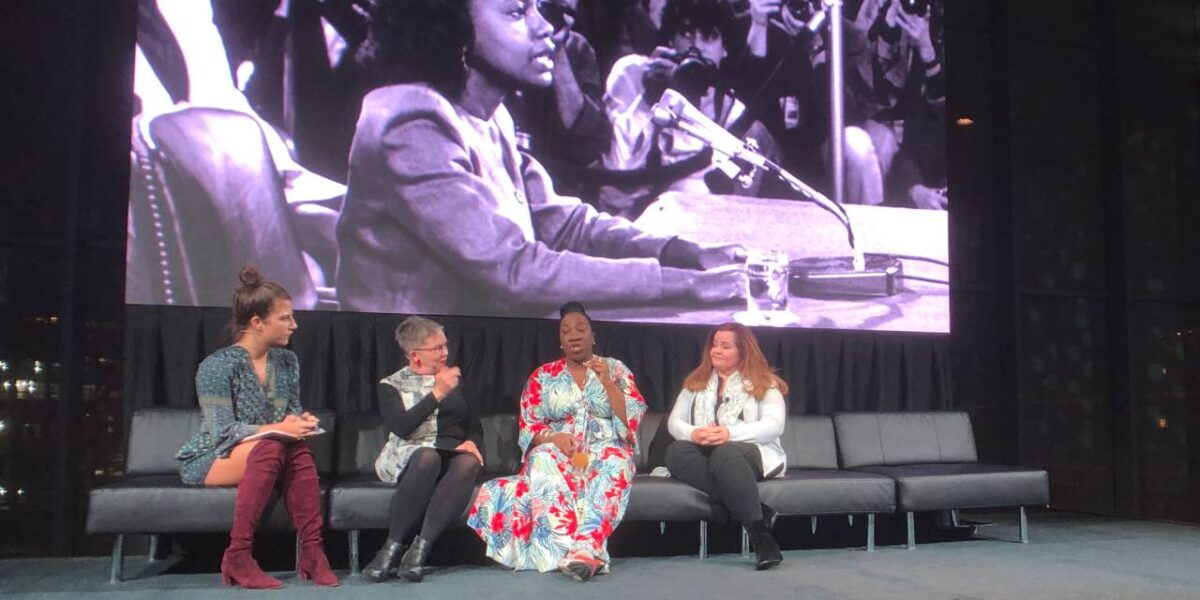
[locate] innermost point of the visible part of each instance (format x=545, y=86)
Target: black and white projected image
x=675, y=161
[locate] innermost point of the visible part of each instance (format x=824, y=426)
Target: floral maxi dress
x=534, y=519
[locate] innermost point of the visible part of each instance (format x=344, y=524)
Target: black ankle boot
x=412, y=566
x=769, y=515
x=383, y=566
x=766, y=551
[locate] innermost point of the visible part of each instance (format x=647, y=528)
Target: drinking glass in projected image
x=767, y=281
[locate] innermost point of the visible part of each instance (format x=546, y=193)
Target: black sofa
x=151, y=499
x=931, y=456
x=848, y=464
x=358, y=500
x=812, y=486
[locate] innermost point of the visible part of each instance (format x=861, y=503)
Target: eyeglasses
x=437, y=348
x=557, y=14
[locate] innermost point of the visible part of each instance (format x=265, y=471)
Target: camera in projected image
x=804, y=10
x=915, y=7
x=693, y=73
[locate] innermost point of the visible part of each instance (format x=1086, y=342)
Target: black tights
x=728, y=473
x=436, y=484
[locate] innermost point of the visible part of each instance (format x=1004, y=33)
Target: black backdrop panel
x=343, y=355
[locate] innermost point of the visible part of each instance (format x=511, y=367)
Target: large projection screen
x=674, y=164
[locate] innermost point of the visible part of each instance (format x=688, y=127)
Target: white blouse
x=759, y=422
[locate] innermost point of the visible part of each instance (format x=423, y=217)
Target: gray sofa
x=813, y=485
x=848, y=464
x=931, y=456
x=150, y=498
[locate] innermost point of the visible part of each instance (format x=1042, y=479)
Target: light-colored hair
x=751, y=363
x=413, y=331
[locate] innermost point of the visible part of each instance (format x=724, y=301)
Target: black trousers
x=434, y=489
x=728, y=473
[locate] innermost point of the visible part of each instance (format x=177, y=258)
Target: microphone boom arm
x=676, y=112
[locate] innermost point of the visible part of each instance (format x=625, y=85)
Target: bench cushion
x=965, y=485
x=361, y=502
x=902, y=438
x=809, y=442
x=156, y=434
x=666, y=499
x=647, y=429
x=828, y=491
x=361, y=437
x=163, y=504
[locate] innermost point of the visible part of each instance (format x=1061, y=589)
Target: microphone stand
x=837, y=116
x=747, y=159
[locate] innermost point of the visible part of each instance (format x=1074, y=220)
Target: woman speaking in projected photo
x=445, y=215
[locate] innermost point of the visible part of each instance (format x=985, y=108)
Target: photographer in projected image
x=784, y=79
x=898, y=93
x=701, y=48
x=445, y=215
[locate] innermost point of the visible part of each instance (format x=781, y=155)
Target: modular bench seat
x=931, y=456
x=847, y=464
x=151, y=499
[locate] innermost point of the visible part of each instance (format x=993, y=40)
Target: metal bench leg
x=745, y=543
x=662, y=528
x=153, y=547
x=912, y=530
x=954, y=517
x=1024, y=527
x=118, y=558
x=871, y=532
x=814, y=524
x=297, y=554
x=703, y=540
x=850, y=520
x=354, y=570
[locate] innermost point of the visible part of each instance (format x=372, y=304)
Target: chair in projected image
x=205, y=199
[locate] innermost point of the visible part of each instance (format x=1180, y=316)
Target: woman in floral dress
x=579, y=418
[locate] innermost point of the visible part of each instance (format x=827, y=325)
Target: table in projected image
x=803, y=229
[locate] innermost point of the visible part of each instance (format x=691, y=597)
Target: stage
x=1069, y=556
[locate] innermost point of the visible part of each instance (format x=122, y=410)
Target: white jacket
x=759, y=422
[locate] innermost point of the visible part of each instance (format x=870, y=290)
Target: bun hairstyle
x=573, y=306
x=253, y=298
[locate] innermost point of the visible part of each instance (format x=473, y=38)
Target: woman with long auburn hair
x=726, y=423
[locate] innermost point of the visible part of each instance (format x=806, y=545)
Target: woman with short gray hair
x=432, y=453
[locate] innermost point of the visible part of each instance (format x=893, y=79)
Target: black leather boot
x=769, y=515
x=383, y=566
x=412, y=566
x=766, y=551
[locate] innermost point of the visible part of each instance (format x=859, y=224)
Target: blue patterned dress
x=235, y=403
x=534, y=519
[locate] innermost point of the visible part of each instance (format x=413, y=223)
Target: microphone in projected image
x=856, y=275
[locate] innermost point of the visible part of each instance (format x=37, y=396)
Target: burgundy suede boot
x=253, y=491
x=302, y=493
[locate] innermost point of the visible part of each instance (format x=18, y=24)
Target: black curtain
x=343, y=356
